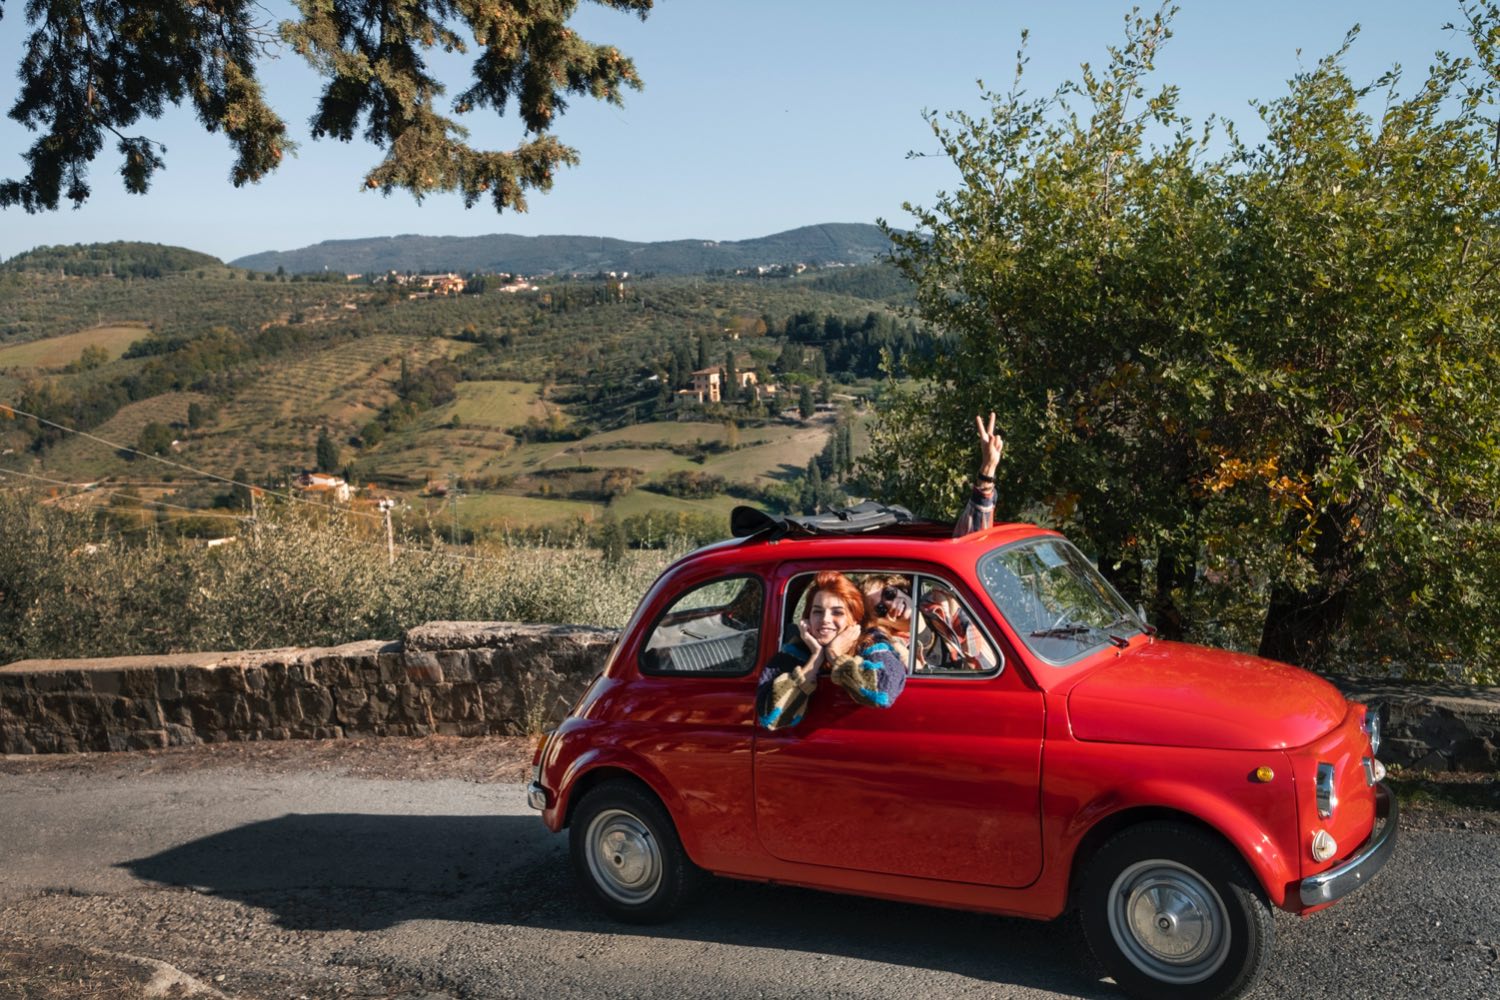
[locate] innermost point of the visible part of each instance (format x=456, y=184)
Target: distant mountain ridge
x=830, y=243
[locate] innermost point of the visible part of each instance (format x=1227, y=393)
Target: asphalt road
x=270, y=884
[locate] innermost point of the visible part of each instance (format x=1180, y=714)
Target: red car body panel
x=978, y=792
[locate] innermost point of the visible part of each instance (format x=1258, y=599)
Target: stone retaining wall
x=474, y=678
x=458, y=678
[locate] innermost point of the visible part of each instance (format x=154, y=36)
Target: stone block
x=392, y=667
x=13, y=739
x=52, y=681
x=106, y=681
x=56, y=707
x=350, y=704
x=168, y=684
x=1476, y=754
x=197, y=681
x=316, y=704
x=148, y=739
x=181, y=736
x=423, y=668
x=1432, y=761
x=458, y=667
x=138, y=682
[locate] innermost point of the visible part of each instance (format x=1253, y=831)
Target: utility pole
x=453, y=503
x=390, y=536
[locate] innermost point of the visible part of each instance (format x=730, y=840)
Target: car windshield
x=1055, y=599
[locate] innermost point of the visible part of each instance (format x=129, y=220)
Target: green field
x=55, y=352
x=494, y=405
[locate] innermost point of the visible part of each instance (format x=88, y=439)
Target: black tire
x=627, y=856
x=1172, y=913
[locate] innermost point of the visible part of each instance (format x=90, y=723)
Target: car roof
x=923, y=542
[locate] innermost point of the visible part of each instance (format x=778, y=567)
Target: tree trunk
x=1175, y=571
x=1302, y=624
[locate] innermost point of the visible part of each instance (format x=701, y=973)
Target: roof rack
x=863, y=518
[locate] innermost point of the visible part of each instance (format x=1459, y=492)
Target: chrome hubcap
x=1168, y=921
x=623, y=856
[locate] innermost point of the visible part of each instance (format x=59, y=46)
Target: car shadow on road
x=366, y=872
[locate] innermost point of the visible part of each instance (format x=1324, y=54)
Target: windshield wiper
x=1062, y=632
x=1074, y=631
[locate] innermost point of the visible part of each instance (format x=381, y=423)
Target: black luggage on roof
x=745, y=522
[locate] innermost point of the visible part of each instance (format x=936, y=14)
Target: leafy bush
x=69, y=588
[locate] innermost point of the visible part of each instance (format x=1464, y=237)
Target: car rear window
x=711, y=630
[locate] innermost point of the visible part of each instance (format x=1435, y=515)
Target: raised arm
x=979, y=512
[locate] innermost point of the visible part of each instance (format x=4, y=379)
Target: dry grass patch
x=55, y=352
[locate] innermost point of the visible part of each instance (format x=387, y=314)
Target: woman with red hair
x=869, y=667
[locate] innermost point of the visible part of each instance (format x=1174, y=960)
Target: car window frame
x=786, y=618
x=643, y=644
x=1022, y=640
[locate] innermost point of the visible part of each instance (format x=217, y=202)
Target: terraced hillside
x=554, y=407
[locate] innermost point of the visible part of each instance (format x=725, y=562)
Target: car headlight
x=1372, y=730
x=1328, y=799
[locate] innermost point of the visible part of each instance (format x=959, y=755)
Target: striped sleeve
x=876, y=675
x=779, y=702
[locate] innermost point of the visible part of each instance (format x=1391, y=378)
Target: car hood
x=1174, y=694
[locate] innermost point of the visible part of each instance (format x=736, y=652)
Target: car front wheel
x=1171, y=911
x=627, y=855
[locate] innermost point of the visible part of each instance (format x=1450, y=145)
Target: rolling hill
x=832, y=243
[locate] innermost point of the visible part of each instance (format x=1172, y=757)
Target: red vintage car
x=1171, y=793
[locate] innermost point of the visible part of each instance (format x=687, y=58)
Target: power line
x=178, y=465
x=116, y=493
x=215, y=476
x=439, y=553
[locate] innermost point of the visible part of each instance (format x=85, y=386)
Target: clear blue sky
x=755, y=118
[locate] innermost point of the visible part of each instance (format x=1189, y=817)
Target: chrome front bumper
x=1340, y=880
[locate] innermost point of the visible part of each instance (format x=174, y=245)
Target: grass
x=55, y=352
x=493, y=405
x=644, y=501
x=504, y=510
x=87, y=458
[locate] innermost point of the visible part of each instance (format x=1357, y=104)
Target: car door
x=944, y=784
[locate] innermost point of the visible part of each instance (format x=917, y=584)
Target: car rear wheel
x=627, y=855
x=1171, y=911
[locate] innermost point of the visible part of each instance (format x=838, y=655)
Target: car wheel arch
x=1270, y=868
x=595, y=769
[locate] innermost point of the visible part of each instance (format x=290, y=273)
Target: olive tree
x=1265, y=372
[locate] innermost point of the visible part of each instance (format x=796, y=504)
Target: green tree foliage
x=155, y=439
x=805, y=406
x=327, y=452
x=92, y=69
x=1270, y=374
x=119, y=259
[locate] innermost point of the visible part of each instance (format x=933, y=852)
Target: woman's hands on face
x=991, y=445
x=807, y=638
x=843, y=643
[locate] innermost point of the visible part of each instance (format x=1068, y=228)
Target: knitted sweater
x=874, y=675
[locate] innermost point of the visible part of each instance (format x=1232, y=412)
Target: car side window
x=947, y=638
x=712, y=630
x=887, y=603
